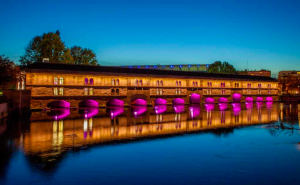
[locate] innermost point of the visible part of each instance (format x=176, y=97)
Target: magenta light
x=88, y=112
x=259, y=99
x=89, y=103
x=195, y=98
x=160, y=101
x=115, y=111
x=259, y=104
x=209, y=100
x=269, y=99
x=115, y=102
x=159, y=109
x=194, y=110
x=249, y=99
x=59, y=104
x=138, y=110
x=269, y=105
x=236, y=108
x=139, y=102
x=178, y=101
x=223, y=106
x=236, y=97
x=249, y=105
x=178, y=108
x=209, y=107
x=59, y=114
x=223, y=100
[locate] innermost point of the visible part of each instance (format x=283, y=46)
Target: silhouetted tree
x=83, y=56
x=8, y=71
x=221, y=67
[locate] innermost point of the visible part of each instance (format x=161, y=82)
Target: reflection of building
x=49, y=82
x=262, y=72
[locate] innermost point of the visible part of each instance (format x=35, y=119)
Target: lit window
x=18, y=85
x=136, y=82
x=86, y=81
x=179, y=91
x=55, y=91
x=180, y=83
x=141, y=82
x=61, y=81
x=117, y=82
x=176, y=91
x=112, y=81
x=55, y=80
x=157, y=83
x=161, y=83
x=91, y=81
x=91, y=91
x=23, y=84
x=161, y=91
x=61, y=91
x=86, y=91
x=176, y=83
x=157, y=91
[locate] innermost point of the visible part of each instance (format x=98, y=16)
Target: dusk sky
x=264, y=33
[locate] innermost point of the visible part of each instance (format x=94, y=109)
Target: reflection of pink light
x=209, y=100
x=139, y=110
x=178, y=101
x=139, y=102
x=58, y=114
x=223, y=106
x=89, y=103
x=269, y=99
x=269, y=105
x=259, y=99
x=115, y=102
x=249, y=99
x=194, y=110
x=209, y=107
x=236, y=97
x=160, y=101
x=195, y=98
x=178, y=108
x=223, y=100
x=115, y=111
x=159, y=109
x=88, y=112
x=59, y=104
x=236, y=108
x=259, y=104
x=249, y=105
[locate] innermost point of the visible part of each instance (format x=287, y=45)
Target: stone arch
x=59, y=104
x=89, y=103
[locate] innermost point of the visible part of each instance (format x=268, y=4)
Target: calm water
x=219, y=144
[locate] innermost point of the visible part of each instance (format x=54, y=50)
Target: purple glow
x=236, y=108
x=223, y=106
x=115, y=102
x=223, y=100
x=115, y=111
x=159, y=109
x=269, y=105
x=249, y=99
x=249, y=105
x=209, y=100
x=88, y=112
x=139, y=102
x=59, y=104
x=138, y=110
x=236, y=97
x=89, y=103
x=194, y=111
x=160, y=101
x=209, y=107
x=195, y=98
x=178, y=101
x=269, y=99
x=259, y=105
x=59, y=114
x=178, y=108
x=259, y=99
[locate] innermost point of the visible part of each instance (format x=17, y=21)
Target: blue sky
x=264, y=33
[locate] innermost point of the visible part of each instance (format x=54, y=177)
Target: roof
x=38, y=67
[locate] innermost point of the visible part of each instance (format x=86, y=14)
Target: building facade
x=179, y=67
x=262, y=72
x=50, y=82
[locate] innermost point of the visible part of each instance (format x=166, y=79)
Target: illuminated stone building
x=262, y=72
x=49, y=82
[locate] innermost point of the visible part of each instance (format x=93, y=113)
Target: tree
x=49, y=45
x=83, y=56
x=67, y=57
x=8, y=72
x=221, y=67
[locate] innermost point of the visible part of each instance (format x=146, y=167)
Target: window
x=112, y=81
x=23, y=84
x=86, y=91
x=176, y=83
x=117, y=91
x=248, y=91
x=55, y=91
x=269, y=91
x=91, y=91
x=157, y=83
x=161, y=83
x=55, y=80
x=157, y=91
x=61, y=81
x=136, y=82
x=112, y=91
x=249, y=85
x=86, y=81
x=209, y=84
x=161, y=92
x=179, y=91
x=259, y=85
x=61, y=91
x=18, y=85
x=141, y=82
x=117, y=82
x=91, y=81
x=176, y=91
